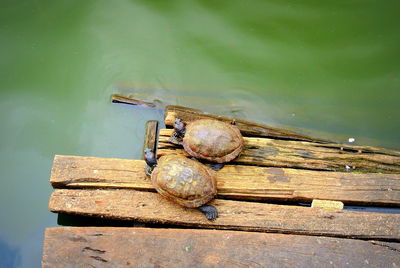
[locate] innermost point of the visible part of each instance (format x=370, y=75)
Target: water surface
x=327, y=68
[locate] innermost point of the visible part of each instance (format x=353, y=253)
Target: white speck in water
x=352, y=139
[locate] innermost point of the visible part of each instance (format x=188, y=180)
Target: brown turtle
x=209, y=139
x=184, y=181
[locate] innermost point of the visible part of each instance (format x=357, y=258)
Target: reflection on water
x=9, y=256
x=329, y=69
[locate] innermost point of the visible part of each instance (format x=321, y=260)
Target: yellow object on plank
x=327, y=204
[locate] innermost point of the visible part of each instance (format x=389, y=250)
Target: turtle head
x=179, y=127
x=149, y=157
x=151, y=161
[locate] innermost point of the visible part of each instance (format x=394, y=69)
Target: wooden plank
x=140, y=247
x=247, y=128
x=150, y=136
x=298, y=154
x=235, y=215
x=237, y=182
x=115, y=98
x=79, y=171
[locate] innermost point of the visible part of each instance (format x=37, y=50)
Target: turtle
x=209, y=139
x=184, y=181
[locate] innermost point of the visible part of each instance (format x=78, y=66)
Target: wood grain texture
x=237, y=181
x=234, y=215
x=247, y=128
x=79, y=171
x=297, y=154
x=150, y=136
x=142, y=247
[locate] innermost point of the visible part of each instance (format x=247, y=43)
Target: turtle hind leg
x=209, y=211
x=216, y=166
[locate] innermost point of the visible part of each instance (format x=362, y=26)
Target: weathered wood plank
x=247, y=128
x=237, y=182
x=140, y=247
x=236, y=215
x=80, y=171
x=150, y=136
x=297, y=154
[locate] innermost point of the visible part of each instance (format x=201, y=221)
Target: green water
x=329, y=68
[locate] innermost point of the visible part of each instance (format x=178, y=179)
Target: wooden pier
x=264, y=219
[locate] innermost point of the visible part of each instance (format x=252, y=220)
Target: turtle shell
x=184, y=181
x=213, y=140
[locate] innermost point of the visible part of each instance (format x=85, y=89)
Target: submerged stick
x=121, y=99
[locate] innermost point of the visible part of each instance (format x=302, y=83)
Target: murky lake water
x=329, y=68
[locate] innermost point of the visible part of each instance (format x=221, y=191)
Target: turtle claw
x=210, y=212
x=216, y=166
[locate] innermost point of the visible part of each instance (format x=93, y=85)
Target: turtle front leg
x=216, y=166
x=148, y=170
x=151, y=161
x=209, y=211
x=173, y=139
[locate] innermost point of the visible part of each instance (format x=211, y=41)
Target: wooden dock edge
x=144, y=247
x=247, y=128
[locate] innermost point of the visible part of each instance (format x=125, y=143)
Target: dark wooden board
x=237, y=182
x=246, y=127
x=298, y=154
x=236, y=215
x=142, y=247
x=150, y=136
